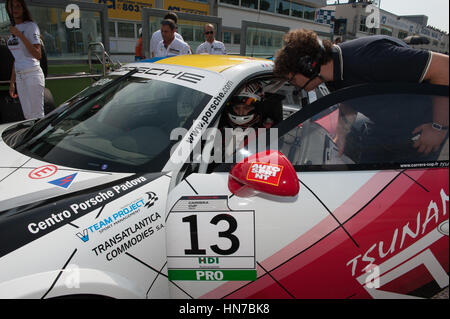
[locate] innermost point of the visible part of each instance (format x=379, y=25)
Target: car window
x=373, y=130
x=367, y=127
x=125, y=128
x=215, y=141
x=280, y=101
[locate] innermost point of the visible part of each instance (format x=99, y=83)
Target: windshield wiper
x=107, y=86
x=40, y=125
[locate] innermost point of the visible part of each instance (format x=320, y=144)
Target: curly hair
x=299, y=43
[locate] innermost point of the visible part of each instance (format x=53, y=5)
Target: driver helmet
x=250, y=95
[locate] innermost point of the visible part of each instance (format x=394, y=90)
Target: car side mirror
x=267, y=172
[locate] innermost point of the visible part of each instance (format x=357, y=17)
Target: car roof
x=215, y=63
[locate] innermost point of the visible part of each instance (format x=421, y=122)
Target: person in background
x=211, y=45
x=27, y=75
x=138, y=55
x=337, y=40
x=157, y=37
x=170, y=45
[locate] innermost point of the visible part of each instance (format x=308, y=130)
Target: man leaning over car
x=306, y=62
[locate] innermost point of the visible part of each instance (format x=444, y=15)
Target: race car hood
x=25, y=180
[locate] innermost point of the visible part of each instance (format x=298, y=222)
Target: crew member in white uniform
x=211, y=45
x=170, y=45
x=27, y=75
x=157, y=37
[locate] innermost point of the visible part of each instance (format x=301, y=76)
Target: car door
x=369, y=220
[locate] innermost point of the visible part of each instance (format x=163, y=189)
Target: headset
x=310, y=66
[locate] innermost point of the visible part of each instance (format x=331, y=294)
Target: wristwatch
x=439, y=127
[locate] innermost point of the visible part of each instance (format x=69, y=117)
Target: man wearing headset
x=305, y=61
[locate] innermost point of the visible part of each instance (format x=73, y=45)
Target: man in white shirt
x=211, y=45
x=170, y=45
x=157, y=37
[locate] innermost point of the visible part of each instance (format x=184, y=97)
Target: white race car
x=127, y=191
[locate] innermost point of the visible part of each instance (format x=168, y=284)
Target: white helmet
x=250, y=94
x=252, y=91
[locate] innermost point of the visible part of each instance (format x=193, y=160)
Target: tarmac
x=442, y=295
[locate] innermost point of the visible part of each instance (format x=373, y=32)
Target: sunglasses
x=209, y=32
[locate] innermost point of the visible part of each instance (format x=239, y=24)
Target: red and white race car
x=124, y=191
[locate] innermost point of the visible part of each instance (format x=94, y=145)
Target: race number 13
x=228, y=233
x=209, y=234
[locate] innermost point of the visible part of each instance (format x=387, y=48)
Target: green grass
x=62, y=90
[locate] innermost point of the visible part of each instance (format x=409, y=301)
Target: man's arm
x=431, y=138
x=437, y=72
x=347, y=116
x=12, y=83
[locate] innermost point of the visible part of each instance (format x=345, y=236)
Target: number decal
x=226, y=234
x=193, y=229
x=207, y=241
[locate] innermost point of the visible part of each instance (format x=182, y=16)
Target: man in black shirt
x=306, y=62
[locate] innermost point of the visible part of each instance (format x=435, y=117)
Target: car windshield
x=123, y=127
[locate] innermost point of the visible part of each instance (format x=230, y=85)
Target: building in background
x=247, y=27
x=62, y=41
x=326, y=16
x=351, y=22
x=267, y=21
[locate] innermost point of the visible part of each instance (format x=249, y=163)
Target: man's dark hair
x=172, y=16
x=297, y=44
x=169, y=23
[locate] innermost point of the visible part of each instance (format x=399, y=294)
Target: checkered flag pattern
x=326, y=17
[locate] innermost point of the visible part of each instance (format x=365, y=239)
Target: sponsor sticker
x=64, y=182
x=114, y=219
x=209, y=242
x=43, y=172
x=265, y=173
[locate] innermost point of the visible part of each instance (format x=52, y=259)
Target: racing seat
x=272, y=107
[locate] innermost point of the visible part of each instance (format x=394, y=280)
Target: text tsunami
x=430, y=221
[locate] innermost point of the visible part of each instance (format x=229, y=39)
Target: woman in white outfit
x=26, y=76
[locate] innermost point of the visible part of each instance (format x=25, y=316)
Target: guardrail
x=82, y=75
x=103, y=60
